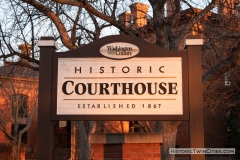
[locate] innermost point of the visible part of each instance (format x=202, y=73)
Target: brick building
x=18, y=99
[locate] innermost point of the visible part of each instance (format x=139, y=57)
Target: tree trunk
x=159, y=23
x=168, y=128
x=169, y=132
x=169, y=141
x=15, y=151
x=85, y=146
x=84, y=143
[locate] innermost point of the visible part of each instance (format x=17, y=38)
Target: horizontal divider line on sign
x=111, y=77
x=125, y=99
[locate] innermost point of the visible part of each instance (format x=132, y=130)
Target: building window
x=227, y=81
x=237, y=8
x=19, y=102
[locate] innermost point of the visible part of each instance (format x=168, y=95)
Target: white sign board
x=136, y=86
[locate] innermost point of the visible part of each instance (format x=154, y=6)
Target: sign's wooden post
x=193, y=44
x=45, y=126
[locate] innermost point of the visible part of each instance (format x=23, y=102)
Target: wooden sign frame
x=192, y=84
x=146, y=50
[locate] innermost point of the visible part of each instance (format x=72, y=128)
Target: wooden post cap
x=193, y=40
x=47, y=42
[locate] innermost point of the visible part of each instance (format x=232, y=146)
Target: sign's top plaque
x=119, y=50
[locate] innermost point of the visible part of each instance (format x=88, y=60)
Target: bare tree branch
x=222, y=67
x=56, y=20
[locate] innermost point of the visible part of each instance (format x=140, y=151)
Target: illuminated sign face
x=136, y=86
